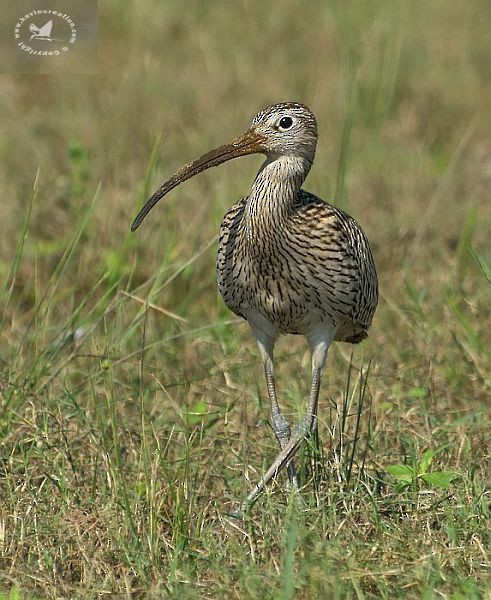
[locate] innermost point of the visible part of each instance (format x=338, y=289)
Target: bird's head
x=286, y=129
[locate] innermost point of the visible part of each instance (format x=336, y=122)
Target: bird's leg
x=319, y=343
x=281, y=426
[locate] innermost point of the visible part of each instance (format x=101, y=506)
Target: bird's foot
x=239, y=514
x=236, y=516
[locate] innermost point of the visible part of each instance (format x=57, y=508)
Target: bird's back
x=316, y=266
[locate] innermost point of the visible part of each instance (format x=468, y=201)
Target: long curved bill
x=247, y=143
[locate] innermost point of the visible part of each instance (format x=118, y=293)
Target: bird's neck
x=273, y=193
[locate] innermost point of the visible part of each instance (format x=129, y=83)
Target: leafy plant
x=419, y=473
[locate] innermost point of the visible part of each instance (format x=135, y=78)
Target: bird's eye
x=285, y=122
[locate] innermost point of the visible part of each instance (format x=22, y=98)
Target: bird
x=288, y=262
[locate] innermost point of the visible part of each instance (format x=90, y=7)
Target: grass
x=133, y=411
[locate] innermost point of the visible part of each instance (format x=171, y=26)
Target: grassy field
x=133, y=411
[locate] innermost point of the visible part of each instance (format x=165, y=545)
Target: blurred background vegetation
x=130, y=401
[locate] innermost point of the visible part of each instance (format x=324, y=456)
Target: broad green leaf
x=401, y=472
x=441, y=479
x=426, y=461
x=417, y=392
x=196, y=414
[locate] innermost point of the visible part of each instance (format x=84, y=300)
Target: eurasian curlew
x=288, y=262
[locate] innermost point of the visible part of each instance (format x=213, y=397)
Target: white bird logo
x=42, y=33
